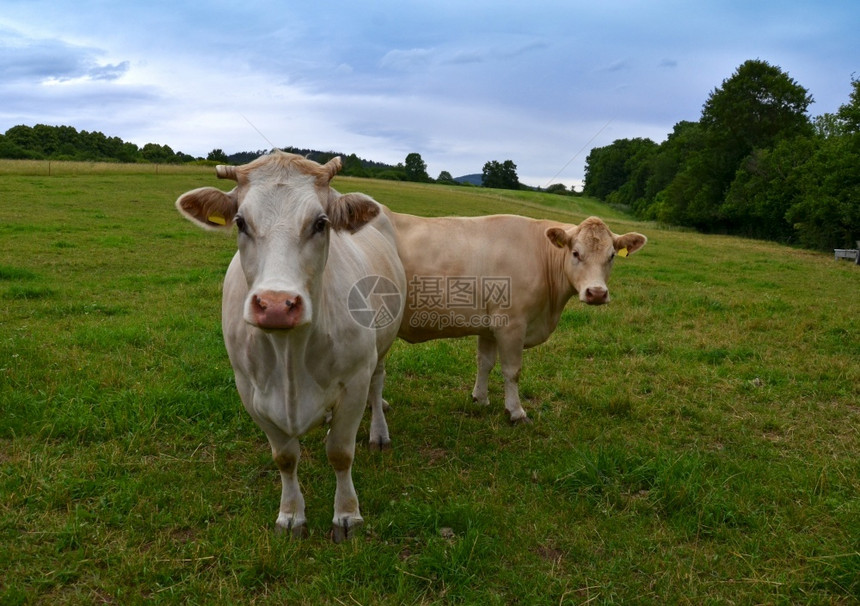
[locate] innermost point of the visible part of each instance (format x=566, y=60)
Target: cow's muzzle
x=275, y=310
x=596, y=295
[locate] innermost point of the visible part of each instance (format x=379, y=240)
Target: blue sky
x=539, y=82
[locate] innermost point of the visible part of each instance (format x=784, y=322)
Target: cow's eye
x=239, y=220
x=320, y=224
x=576, y=255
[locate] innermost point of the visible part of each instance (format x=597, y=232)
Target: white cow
x=504, y=278
x=312, y=302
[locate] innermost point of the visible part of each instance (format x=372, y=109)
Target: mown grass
x=695, y=441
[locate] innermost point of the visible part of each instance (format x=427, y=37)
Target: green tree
x=9, y=149
x=22, y=137
x=765, y=187
x=416, y=169
x=828, y=125
x=849, y=113
x=128, y=152
x=826, y=213
x=217, y=155
x=557, y=188
x=445, y=178
x=353, y=167
x=46, y=140
x=157, y=154
x=758, y=105
x=609, y=169
x=689, y=198
x=68, y=142
x=804, y=189
x=500, y=175
x=665, y=164
x=755, y=106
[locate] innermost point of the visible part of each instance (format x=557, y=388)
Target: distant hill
x=475, y=179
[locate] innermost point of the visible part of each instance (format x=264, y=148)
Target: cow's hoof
x=518, y=418
x=292, y=529
x=345, y=529
x=380, y=444
x=481, y=401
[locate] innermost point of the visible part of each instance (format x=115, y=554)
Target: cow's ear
x=209, y=208
x=630, y=242
x=558, y=237
x=351, y=211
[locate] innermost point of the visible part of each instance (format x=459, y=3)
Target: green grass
x=695, y=441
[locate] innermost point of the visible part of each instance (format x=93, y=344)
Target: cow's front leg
x=379, y=438
x=291, y=516
x=340, y=448
x=511, y=358
x=486, y=362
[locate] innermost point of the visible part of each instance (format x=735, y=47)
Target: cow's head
x=591, y=248
x=284, y=210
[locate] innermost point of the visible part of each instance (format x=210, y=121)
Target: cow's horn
x=333, y=167
x=226, y=172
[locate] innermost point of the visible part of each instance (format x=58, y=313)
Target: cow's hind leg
x=511, y=358
x=486, y=362
x=379, y=438
x=291, y=516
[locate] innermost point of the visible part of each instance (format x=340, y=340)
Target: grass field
x=695, y=441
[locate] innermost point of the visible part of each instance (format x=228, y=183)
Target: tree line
x=495, y=174
x=43, y=142
x=754, y=165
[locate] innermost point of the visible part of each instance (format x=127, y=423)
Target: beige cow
x=503, y=278
x=312, y=302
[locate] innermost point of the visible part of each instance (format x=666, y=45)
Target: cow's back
x=465, y=275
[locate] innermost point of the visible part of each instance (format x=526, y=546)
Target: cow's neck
x=559, y=288
x=291, y=373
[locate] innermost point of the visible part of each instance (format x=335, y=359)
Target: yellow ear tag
x=217, y=219
x=623, y=252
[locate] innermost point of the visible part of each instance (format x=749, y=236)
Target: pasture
x=695, y=441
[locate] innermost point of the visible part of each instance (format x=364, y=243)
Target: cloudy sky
x=539, y=82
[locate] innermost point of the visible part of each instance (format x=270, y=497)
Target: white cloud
x=37, y=60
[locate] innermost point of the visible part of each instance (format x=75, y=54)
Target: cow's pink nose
x=596, y=295
x=276, y=310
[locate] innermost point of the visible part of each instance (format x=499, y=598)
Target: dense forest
x=753, y=165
